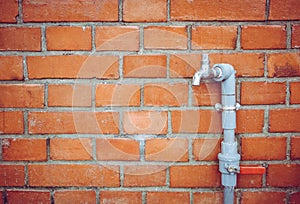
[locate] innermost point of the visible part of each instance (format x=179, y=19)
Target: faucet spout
x=204, y=71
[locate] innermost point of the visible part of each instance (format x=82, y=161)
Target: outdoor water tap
x=205, y=71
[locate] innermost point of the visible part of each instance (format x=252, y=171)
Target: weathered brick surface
x=19, y=95
x=117, y=38
x=12, y=175
x=74, y=196
x=24, y=150
x=11, y=68
x=8, y=11
x=70, y=10
x=71, y=149
x=69, y=38
x=120, y=197
x=212, y=37
x=165, y=37
x=231, y=10
x=73, y=175
x=73, y=67
x=20, y=38
x=263, y=37
x=26, y=196
x=11, y=122
x=137, y=11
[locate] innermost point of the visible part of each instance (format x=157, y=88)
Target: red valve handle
x=252, y=170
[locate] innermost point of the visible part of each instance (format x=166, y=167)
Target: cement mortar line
x=163, y=164
x=164, y=23
x=147, y=189
x=145, y=52
x=143, y=81
x=136, y=137
x=146, y=108
x=192, y=136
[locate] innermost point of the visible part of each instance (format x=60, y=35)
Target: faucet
x=205, y=71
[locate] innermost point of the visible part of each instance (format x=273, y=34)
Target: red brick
x=295, y=150
x=69, y=38
x=283, y=175
x=145, y=11
x=196, y=121
x=145, y=66
x=167, y=197
x=295, y=197
x=207, y=94
x=262, y=197
x=144, y=176
x=28, y=196
x=296, y=36
x=283, y=64
x=70, y=10
x=11, y=68
x=73, y=175
x=21, y=95
x=249, y=181
x=245, y=64
x=24, y=150
x=75, y=196
x=232, y=10
x=110, y=197
x=184, y=65
x=166, y=149
x=122, y=38
x=8, y=11
x=253, y=93
x=204, y=176
x=166, y=94
x=71, y=149
x=214, y=37
x=294, y=92
x=284, y=10
x=250, y=121
x=145, y=122
x=20, y=38
x=171, y=37
x=269, y=148
x=206, y=149
x=263, y=37
x=118, y=149
x=208, y=197
x=12, y=175
x=279, y=117
x=73, y=122
x=73, y=66
x=118, y=95
x=69, y=95
x=11, y=122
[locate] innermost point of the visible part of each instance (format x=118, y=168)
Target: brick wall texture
x=97, y=104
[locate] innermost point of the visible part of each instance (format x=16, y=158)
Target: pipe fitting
x=225, y=71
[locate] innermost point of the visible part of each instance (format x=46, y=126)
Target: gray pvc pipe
x=228, y=158
x=229, y=194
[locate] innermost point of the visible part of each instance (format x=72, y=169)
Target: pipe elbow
x=226, y=70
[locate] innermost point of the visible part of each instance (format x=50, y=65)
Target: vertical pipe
x=228, y=158
x=229, y=195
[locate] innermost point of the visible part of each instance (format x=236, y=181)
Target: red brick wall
x=96, y=102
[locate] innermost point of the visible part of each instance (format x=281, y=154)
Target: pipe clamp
x=219, y=107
